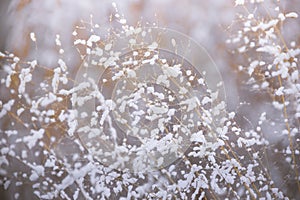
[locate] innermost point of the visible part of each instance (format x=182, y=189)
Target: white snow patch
x=34, y=136
x=92, y=39
x=6, y=107
x=32, y=37
x=192, y=103
x=292, y=15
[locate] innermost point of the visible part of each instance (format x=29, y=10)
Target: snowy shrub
x=144, y=115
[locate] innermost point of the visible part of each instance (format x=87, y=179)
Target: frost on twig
x=144, y=117
x=270, y=60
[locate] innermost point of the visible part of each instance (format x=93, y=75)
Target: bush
x=143, y=115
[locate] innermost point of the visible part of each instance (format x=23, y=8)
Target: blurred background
x=206, y=22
